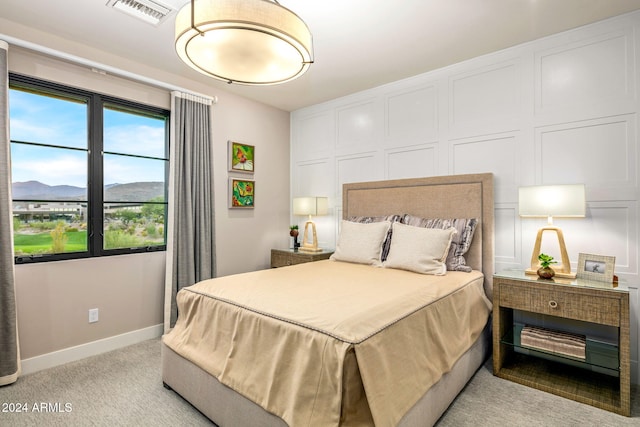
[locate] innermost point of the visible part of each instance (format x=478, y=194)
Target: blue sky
x=48, y=120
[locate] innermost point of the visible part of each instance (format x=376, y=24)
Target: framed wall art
x=242, y=193
x=241, y=157
x=596, y=267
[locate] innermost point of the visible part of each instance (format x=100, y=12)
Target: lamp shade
x=552, y=201
x=310, y=206
x=251, y=42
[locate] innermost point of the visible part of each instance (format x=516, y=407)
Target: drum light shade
x=566, y=201
x=249, y=42
x=310, y=206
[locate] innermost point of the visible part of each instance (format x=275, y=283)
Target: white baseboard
x=71, y=354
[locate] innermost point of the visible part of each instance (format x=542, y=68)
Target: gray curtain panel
x=191, y=239
x=9, y=351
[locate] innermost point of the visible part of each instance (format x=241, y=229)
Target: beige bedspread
x=330, y=343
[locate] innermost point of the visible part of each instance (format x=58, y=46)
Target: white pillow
x=419, y=249
x=361, y=243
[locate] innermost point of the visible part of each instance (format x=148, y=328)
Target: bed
x=346, y=348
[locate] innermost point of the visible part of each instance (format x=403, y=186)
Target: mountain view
x=53, y=218
x=135, y=191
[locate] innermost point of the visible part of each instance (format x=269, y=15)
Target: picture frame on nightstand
x=598, y=268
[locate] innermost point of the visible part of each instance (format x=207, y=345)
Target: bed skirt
x=227, y=408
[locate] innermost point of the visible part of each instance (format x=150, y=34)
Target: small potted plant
x=293, y=232
x=545, y=271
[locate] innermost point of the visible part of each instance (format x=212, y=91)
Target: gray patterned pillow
x=461, y=240
x=369, y=219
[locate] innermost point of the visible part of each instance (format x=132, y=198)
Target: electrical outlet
x=93, y=315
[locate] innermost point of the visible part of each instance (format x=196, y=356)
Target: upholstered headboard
x=453, y=196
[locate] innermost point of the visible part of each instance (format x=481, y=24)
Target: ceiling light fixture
x=249, y=42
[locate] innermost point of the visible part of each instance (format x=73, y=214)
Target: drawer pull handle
x=553, y=304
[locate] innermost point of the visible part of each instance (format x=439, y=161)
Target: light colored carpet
x=124, y=388
x=119, y=388
x=491, y=401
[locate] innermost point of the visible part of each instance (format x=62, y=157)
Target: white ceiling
x=358, y=44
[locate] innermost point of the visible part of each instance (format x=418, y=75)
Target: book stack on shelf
x=574, y=349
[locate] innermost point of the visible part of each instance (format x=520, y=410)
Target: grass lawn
x=42, y=242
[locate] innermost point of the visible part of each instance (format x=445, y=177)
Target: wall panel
x=313, y=178
x=507, y=242
x=610, y=228
x=356, y=168
x=357, y=127
x=316, y=134
x=498, y=155
x=484, y=100
x=590, y=72
x=412, y=162
x=600, y=153
x=411, y=116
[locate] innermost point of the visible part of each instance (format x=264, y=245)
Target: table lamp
x=564, y=201
x=310, y=206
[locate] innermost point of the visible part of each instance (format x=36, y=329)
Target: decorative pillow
x=419, y=249
x=461, y=242
x=370, y=219
x=361, y=243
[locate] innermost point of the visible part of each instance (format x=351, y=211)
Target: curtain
x=9, y=350
x=190, y=223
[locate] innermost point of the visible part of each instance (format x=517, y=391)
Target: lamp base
x=310, y=244
x=562, y=270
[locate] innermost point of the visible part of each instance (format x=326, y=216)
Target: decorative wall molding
x=312, y=177
x=358, y=167
x=486, y=100
x=411, y=116
x=594, y=75
x=602, y=153
x=358, y=127
x=499, y=154
x=559, y=110
x=507, y=236
x=411, y=162
x=315, y=134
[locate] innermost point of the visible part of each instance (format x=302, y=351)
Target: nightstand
x=285, y=257
x=597, y=380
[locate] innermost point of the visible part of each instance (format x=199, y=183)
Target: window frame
x=96, y=103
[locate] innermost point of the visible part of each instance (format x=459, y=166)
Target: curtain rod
x=99, y=67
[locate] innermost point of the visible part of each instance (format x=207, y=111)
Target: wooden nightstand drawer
x=556, y=302
x=282, y=259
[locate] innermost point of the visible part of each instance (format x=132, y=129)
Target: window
x=89, y=173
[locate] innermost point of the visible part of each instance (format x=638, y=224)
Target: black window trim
x=96, y=102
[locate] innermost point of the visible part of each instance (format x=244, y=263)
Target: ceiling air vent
x=148, y=11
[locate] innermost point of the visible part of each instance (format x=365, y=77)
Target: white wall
x=562, y=109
